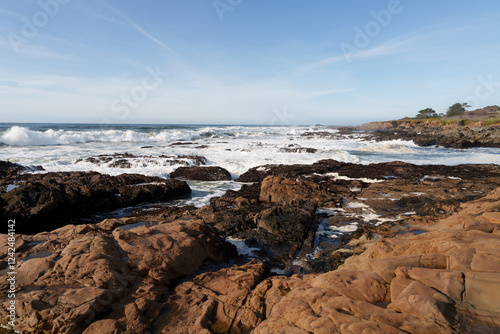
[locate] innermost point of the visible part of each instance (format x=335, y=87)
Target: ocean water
x=156, y=149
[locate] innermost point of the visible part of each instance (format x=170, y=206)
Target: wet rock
x=290, y=222
x=292, y=148
x=10, y=169
x=46, y=201
x=127, y=160
x=202, y=173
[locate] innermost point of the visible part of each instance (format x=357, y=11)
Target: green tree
x=457, y=109
x=427, y=113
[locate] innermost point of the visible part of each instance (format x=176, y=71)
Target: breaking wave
x=23, y=136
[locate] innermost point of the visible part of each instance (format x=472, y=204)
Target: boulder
x=202, y=173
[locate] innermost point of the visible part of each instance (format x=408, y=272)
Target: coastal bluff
x=473, y=129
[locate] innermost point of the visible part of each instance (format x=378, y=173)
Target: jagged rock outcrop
x=40, y=202
x=127, y=160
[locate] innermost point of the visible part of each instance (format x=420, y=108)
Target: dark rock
x=429, y=133
x=202, y=173
x=8, y=168
x=298, y=149
x=46, y=201
x=127, y=160
x=291, y=223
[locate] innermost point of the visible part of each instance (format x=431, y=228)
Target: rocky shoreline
x=463, y=132
x=327, y=247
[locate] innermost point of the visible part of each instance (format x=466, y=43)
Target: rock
x=434, y=269
x=456, y=135
x=10, y=169
x=202, y=173
x=127, y=160
x=215, y=302
x=47, y=201
x=292, y=148
x=111, y=281
x=290, y=222
x=279, y=190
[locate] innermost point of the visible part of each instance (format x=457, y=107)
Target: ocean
x=157, y=150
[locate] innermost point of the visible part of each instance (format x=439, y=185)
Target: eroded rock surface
x=41, y=202
x=330, y=247
x=445, y=280
x=106, y=278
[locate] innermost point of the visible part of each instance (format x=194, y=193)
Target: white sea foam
x=391, y=146
x=21, y=136
x=355, y=205
x=235, y=148
x=242, y=247
x=336, y=176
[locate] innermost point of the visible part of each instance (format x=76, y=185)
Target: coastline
x=379, y=241
x=473, y=129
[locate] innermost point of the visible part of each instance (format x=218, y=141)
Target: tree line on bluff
x=456, y=109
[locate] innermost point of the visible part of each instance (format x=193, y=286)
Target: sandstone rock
x=215, y=302
x=118, y=276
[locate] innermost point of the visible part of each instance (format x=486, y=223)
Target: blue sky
x=244, y=61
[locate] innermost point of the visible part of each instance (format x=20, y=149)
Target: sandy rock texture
x=445, y=280
x=330, y=247
x=106, y=278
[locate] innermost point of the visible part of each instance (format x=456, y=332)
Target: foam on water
x=242, y=247
x=390, y=146
x=236, y=148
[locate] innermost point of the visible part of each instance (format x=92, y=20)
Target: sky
x=281, y=62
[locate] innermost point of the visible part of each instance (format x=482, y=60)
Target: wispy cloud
x=9, y=13
x=388, y=48
x=139, y=29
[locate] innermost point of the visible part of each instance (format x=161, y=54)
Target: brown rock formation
x=435, y=269
x=436, y=132
x=106, y=278
x=443, y=281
